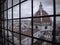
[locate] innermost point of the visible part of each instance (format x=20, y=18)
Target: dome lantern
x=41, y=6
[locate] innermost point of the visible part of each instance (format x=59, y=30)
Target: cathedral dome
x=38, y=13
x=41, y=12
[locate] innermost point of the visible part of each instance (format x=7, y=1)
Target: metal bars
x=7, y=24
x=3, y=26
x=53, y=42
x=20, y=22
x=54, y=22
x=12, y=25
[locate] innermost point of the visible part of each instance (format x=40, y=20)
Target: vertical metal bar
x=20, y=21
x=12, y=25
x=54, y=22
x=32, y=21
x=7, y=23
x=3, y=25
x=1, y=39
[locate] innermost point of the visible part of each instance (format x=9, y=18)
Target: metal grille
x=4, y=30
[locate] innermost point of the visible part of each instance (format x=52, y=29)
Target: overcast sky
x=26, y=7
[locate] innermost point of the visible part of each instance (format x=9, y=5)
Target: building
x=44, y=24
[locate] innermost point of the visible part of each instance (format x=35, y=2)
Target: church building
x=44, y=24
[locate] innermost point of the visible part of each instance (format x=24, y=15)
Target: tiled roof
x=44, y=13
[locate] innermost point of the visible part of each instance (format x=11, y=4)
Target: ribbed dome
x=41, y=12
x=44, y=13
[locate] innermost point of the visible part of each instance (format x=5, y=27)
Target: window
x=18, y=18
x=45, y=27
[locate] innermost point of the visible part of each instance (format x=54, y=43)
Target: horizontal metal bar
x=31, y=17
